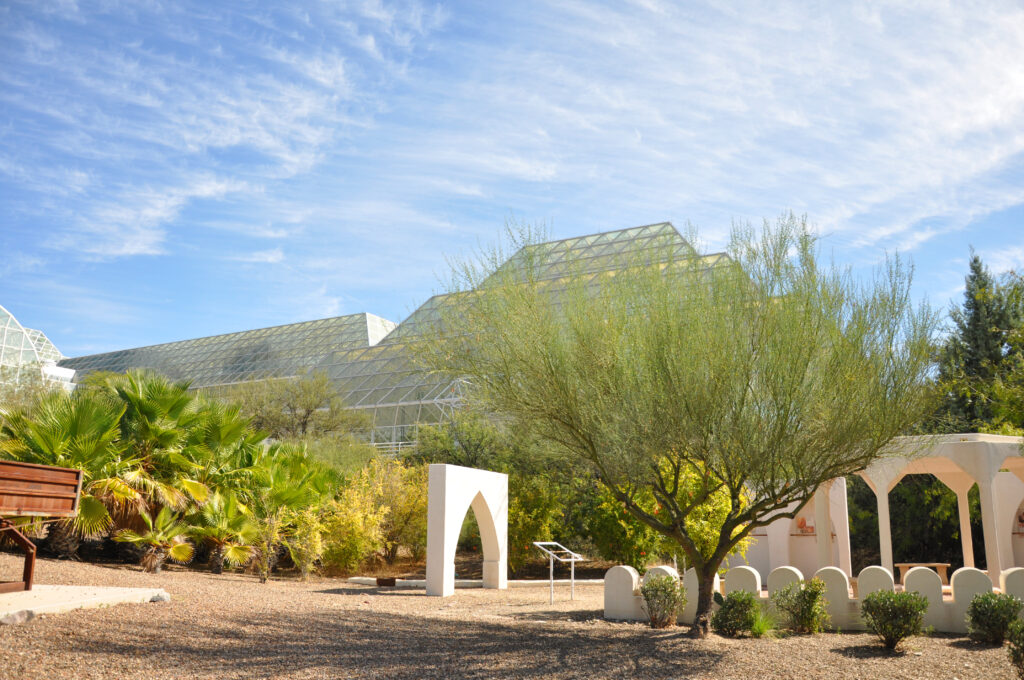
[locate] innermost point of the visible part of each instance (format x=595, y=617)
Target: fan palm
x=222, y=449
x=288, y=480
x=158, y=415
x=80, y=431
x=164, y=538
x=229, y=531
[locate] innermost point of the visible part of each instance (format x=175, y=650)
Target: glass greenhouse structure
x=25, y=349
x=368, y=358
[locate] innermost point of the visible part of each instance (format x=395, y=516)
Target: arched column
x=960, y=483
x=882, y=476
x=452, y=491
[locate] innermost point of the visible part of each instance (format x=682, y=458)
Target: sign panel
x=38, y=490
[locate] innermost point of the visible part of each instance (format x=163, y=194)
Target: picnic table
x=941, y=567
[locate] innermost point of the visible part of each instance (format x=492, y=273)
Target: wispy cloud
x=353, y=144
x=272, y=256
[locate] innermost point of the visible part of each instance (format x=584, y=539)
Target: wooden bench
x=941, y=567
x=29, y=490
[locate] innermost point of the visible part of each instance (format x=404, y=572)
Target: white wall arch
x=452, y=491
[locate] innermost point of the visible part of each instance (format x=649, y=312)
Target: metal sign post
x=557, y=551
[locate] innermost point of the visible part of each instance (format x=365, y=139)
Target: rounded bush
x=990, y=614
x=803, y=606
x=737, y=614
x=664, y=598
x=894, y=616
x=1015, y=637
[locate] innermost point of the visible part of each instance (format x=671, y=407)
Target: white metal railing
x=557, y=551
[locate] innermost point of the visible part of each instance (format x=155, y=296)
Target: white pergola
x=959, y=461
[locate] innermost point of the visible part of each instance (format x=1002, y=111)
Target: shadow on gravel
x=371, y=644
x=972, y=645
x=578, y=616
x=868, y=651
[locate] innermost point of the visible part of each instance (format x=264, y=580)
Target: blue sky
x=175, y=169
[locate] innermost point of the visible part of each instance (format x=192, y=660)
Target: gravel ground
x=230, y=626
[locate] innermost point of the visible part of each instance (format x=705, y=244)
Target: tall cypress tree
x=980, y=378
x=971, y=356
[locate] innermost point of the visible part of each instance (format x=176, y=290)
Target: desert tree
x=760, y=373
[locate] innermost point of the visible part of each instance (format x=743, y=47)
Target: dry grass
x=232, y=627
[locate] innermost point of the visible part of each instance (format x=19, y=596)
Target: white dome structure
x=24, y=350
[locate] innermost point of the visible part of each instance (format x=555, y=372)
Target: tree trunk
x=153, y=560
x=217, y=559
x=62, y=540
x=264, y=561
x=705, y=597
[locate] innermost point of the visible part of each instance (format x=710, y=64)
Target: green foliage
x=737, y=613
x=1015, y=648
x=617, y=535
x=295, y=408
x=79, y=430
x=305, y=540
x=893, y=616
x=345, y=453
x=664, y=598
x=989, y=616
x=803, y=606
x=764, y=622
x=224, y=524
x=164, y=538
x=534, y=511
x=352, y=528
x=761, y=375
x=401, y=491
x=973, y=356
x=149, y=448
x=287, y=480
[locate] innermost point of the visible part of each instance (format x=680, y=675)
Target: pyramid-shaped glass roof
x=368, y=358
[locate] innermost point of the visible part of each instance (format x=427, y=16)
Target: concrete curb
x=475, y=583
x=24, y=606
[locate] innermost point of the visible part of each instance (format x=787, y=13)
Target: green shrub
x=894, y=616
x=534, y=511
x=305, y=540
x=617, y=535
x=803, y=606
x=737, y=613
x=1015, y=636
x=402, y=490
x=352, y=529
x=764, y=622
x=990, y=614
x=664, y=598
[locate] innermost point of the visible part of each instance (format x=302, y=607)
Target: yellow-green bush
x=352, y=528
x=402, y=489
x=305, y=540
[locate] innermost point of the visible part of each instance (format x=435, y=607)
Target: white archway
x=452, y=491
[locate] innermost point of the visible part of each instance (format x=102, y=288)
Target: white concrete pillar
x=841, y=520
x=823, y=525
x=989, y=525
x=966, y=539
x=884, y=528
x=882, y=476
x=778, y=543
